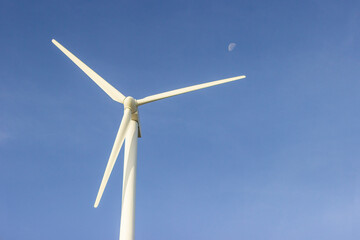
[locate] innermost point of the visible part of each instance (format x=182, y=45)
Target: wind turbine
x=129, y=131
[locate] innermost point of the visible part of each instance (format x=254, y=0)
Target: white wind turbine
x=129, y=131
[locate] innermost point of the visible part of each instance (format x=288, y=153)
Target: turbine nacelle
x=131, y=103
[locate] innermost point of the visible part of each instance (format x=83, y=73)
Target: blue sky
x=274, y=156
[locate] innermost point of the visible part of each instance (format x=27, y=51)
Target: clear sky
x=274, y=156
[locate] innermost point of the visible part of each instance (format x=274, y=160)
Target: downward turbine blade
x=185, y=90
x=119, y=140
x=110, y=90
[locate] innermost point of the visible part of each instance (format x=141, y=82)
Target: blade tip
x=239, y=77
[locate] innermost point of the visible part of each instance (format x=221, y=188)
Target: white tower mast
x=127, y=224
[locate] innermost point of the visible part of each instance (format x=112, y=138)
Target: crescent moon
x=231, y=46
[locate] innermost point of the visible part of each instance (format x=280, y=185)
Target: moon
x=231, y=46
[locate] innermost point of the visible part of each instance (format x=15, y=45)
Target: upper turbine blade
x=185, y=90
x=119, y=140
x=110, y=90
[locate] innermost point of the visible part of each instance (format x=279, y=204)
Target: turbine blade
x=119, y=140
x=110, y=90
x=185, y=90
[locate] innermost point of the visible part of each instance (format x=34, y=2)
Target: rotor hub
x=131, y=104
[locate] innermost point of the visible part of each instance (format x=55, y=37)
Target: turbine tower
x=129, y=132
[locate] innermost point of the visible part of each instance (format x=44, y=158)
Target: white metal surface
x=127, y=224
x=110, y=90
x=114, y=152
x=185, y=90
